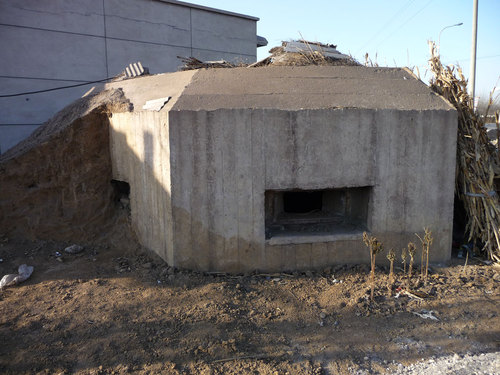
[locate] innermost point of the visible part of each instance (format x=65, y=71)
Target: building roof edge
x=209, y=9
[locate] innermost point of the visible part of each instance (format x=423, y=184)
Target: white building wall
x=52, y=43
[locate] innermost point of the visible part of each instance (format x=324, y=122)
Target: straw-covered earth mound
x=56, y=183
x=278, y=57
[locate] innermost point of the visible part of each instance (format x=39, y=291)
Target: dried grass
x=278, y=57
x=475, y=159
x=191, y=63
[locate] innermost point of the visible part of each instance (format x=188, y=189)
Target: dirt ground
x=113, y=311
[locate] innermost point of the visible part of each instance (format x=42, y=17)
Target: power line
x=450, y=61
x=480, y=58
x=387, y=24
x=54, y=89
x=404, y=23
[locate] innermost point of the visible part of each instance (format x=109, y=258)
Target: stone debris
x=74, y=249
x=13, y=279
x=123, y=265
x=488, y=363
x=426, y=314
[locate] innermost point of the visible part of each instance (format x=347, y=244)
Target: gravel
x=483, y=364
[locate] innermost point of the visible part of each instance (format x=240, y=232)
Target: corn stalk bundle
x=475, y=159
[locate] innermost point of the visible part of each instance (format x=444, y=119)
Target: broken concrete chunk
x=426, y=314
x=156, y=104
x=12, y=279
x=136, y=70
x=8, y=280
x=24, y=273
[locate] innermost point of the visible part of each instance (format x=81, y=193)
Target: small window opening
x=328, y=211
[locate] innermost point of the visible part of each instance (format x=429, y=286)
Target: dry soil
x=111, y=310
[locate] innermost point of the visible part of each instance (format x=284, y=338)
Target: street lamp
x=444, y=28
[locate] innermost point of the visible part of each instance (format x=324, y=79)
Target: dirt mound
x=56, y=184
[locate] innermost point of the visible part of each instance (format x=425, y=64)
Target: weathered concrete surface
x=48, y=44
x=295, y=88
x=226, y=159
x=140, y=154
x=200, y=167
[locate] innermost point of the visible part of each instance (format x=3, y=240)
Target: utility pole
x=472, y=76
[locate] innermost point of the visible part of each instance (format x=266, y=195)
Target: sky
x=392, y=32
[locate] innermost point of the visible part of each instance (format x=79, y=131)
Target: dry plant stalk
x=411, y=251
x=497, y=123
x=369, y=62
x=404, y=255
x=428, y=239
x=391, y=255
x=375, y=247
x=475, y=159
x=426, y=245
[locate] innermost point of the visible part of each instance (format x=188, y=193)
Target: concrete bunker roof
x=308, y=87
x=284, y=88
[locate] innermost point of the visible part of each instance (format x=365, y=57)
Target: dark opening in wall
x=322, y=212
x=121, y=193
x=301, y=202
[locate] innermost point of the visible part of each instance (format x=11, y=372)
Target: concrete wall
x=222, y=162
x=53, y=43
x=199, y=175
x=140, y=155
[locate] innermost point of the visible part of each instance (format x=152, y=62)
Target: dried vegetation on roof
x=311, y=53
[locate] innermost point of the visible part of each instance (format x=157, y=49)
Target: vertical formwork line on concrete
x=105, y=37
x=191, y=31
